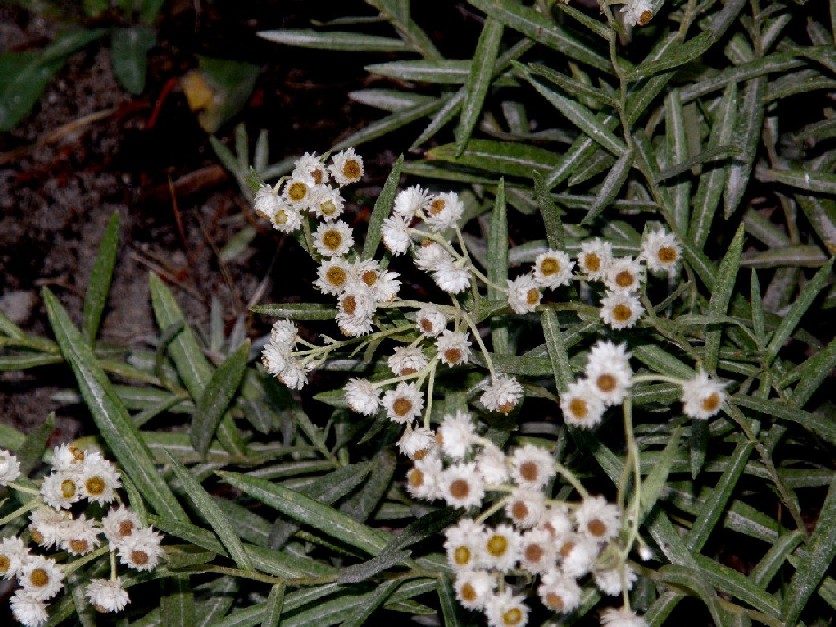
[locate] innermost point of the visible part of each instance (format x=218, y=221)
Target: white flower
x=47, y=525
x=294, y=376
x=553, y=269
x=556, y=520
x=141, y=550
x=500, y=548
x=41, y=577
x=452, y=278
x=28, y=610
x=403, y=403
x=444, y=210
x=523, y=294
x=431, y=256
x=423, y=479
x=395, y=233
x=284, y=333
x=80, y=536
x=502, y=394
x=594, y=258
x=67, y=457
x=406, y=360
x=637, y=12
x=333, y=275
x=537, y=551
x=598, y=519
x=286, y=219
x=525, y=507
x=326, y=202
x=621, y=617
x=119, y=525
x=9, y=467
x=12, y=555
x=532, y=466
x=355, y=325
x=608, y=369
x=621, y=310
x=559, y=593
x=581, y=405
x=702, y=397
x=430, y=321
x=409, y=201
x=578, y=554
x=609, y=580
x=333, y=239
x=492, y=464
x=624, y=274
x=107, y=595
x=453, y=347
x=461, y=486
x=456, y=434
x=61, y=489
x=310, y=168
x=463, y=544
x=298, y=193
x=346, y=167
x=355, y=308
x=361, y=396
x=473, y=588
x=661, y=252
x=274, y=358
x=383, y=285
x=98, y=480
x=417, y=443
x=266, y=202
x=506, y=610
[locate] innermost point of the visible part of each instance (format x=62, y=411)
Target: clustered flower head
x=563, y=546
x=77, y=476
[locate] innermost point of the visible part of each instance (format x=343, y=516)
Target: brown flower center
x=453, y=356
x=533, y=553
x=621, y=313
x=39, y=577
x=529, y=471
x=95, y=486
x=349, y=304
x=513, y=616
x=549, y=266
x=578, y=408
x=624, y=279
x=79, y=546
x=332, y=240
x=140, y=558
x=596, y=527
x=592, y=262
x=711, y=403
x=78, y=454
x=370, y=277
x=459, y=489
x=415, y=478
x=519, y=510
x=37, y=536
x=461, y=555
x=407, y=371
x=554, y=601
x=402, y=406
x=645, y=17
x=566, y=548
x=126, y=528
x=506, y=407
x=336, y=276
x=667, y=254
x=468, y=593
x=437, y=206
x=316, y=175
x=532, y=297
x=351, y=170
x=297, y=191
x=5, y=563
x=606, y=382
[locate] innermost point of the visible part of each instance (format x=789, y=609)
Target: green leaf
x=810, y=374
x=498, y=266
x=793, y=317
x=441, y=72
x=817, y=182
x=775, y=557
x=610, y=187
x=819, y=555
x=698, y=446
x=309, y=512
x=565, y=83
x=297, y=311
x=737, y=585
x=693, y=579
x=721, y=297
x=273, y=607
x=389, y=99
x=212, y=513
x=558, y=353
x=98, y=285
x=822, y=426
x=382, y=209
x=661, y=361
x=504, y=158
x=229, y=83
x=678, y=55
x=555, y=235
x=129, y=55
x=177, y=601
x=111, y=418
x=389, y=124
x=677, y=153
x=221, y=594
x=654, y=483
x=217, y=397
x=581, y=117
x=362, y=504
x=478, y=80
x=536, y=26
x=397, y=13
x=747, y=135
x=31, y=451
x=334, y=40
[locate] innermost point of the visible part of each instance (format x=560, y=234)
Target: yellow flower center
x=497, y=545
x=332, y=240
x=621, y=313
x=39, y=578
x=624, y=279
x=578, y=408
x=645, y=17
x=532, y=297
x=592, y=262
x=298, y=191
x=79, y=546
x=514, y=616
x=415, y=478
x=667, y=254
x=351, y=170
x=554, y=601
x=5, y=563
x=437, y=206
x=281, y=217
x=95, y=486
x=328, y=208
x=468, y=593
x=549, y=266
x=461, y=555
x=370, y=277
x=68, y=488
x=336, y=276
x=711, y=403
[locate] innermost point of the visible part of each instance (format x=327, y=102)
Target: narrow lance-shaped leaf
x=109, y=414
x=129, y=55
x=382, y=209
x=98, y=285
x=555, y=234
x=677, y=153
x=273, y=607
x=654, y=483
x=203, y=503
x=498, y=264
x=558, y=354
x=478, y=80
x=610, y=187
x=721, y=296
x=821, y=551
x=177, y=601
x=746, y=135
x=334, y=40
x=216, y=398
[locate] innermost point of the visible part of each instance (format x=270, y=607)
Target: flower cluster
x=607, y=381
x=563, y=544
x=77, y=476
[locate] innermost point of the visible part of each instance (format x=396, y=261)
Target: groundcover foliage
x=626, y=298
